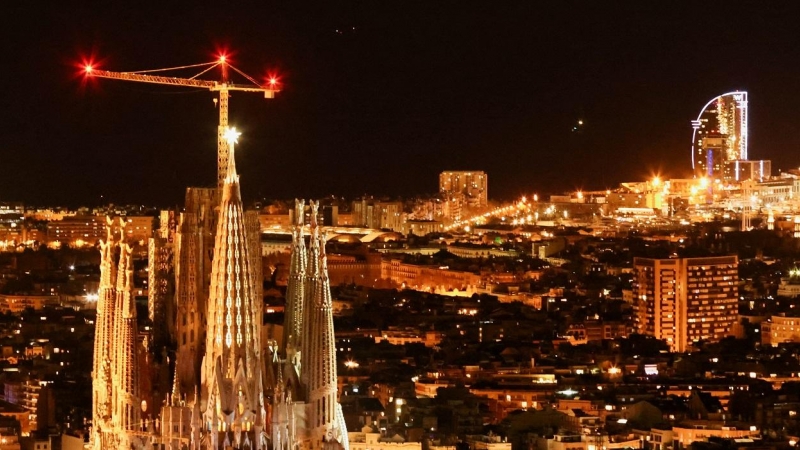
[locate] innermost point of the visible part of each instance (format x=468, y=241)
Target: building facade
x=685, y=300
x=780, y=329
x=428, y=278
x=472, y=185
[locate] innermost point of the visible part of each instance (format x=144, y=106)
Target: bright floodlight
x=222, y=59
x=88, y=68
x=232, y=136
x=272, y=81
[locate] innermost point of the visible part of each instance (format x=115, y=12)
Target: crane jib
x=174, y=81
x=215, y=86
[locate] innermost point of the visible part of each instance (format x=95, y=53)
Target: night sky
x=380, y=96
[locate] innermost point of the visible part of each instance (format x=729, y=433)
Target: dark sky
x=403, y=90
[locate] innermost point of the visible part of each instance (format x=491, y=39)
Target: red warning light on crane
x=272, y=79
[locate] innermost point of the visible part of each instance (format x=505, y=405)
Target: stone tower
x=231, y=395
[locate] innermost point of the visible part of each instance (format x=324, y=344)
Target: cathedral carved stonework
x=306, y=410
x=232, y=391
x=117, y=405
x=229, y=390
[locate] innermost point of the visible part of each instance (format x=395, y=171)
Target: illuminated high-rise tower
x=720, y=134
x=231, y=392
x=473, y=185
x=685, y=300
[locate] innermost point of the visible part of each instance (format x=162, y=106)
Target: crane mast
x=223, y=88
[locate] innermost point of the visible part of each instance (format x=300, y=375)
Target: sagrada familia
x=204, y=376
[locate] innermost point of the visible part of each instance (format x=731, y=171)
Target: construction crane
x=223, y=87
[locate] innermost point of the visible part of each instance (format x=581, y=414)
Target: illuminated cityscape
x=186, y=266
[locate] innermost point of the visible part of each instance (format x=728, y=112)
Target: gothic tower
x=324, y=419
x=104, y=330
x=125, y=367
x=194, y=251
x=232, y=398
x=310, y=287
x=293, y=319
x=117, y=402
x=314, y=420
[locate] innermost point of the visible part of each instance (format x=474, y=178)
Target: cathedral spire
x=232, y=393
x=175, y=396
x=310, y=288
x=116, y=390
x=232, y=136
x=126, y=362
x=104, y=332
x=294, y=290
x=324, y=417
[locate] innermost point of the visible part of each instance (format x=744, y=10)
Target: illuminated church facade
x=229, y=389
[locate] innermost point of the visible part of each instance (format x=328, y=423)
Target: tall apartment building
x=88, y=230
x=473, y=185
x=378, y=214
x=11, y=221
x=77, y=230
x=685, y=300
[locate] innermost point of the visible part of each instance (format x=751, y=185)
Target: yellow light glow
x=656, y=181
x=88, y=68
x=232, y=136
x=704, y=182
x=222, y=59
x=350, y=364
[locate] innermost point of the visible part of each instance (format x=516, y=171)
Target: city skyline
x=381, y=99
